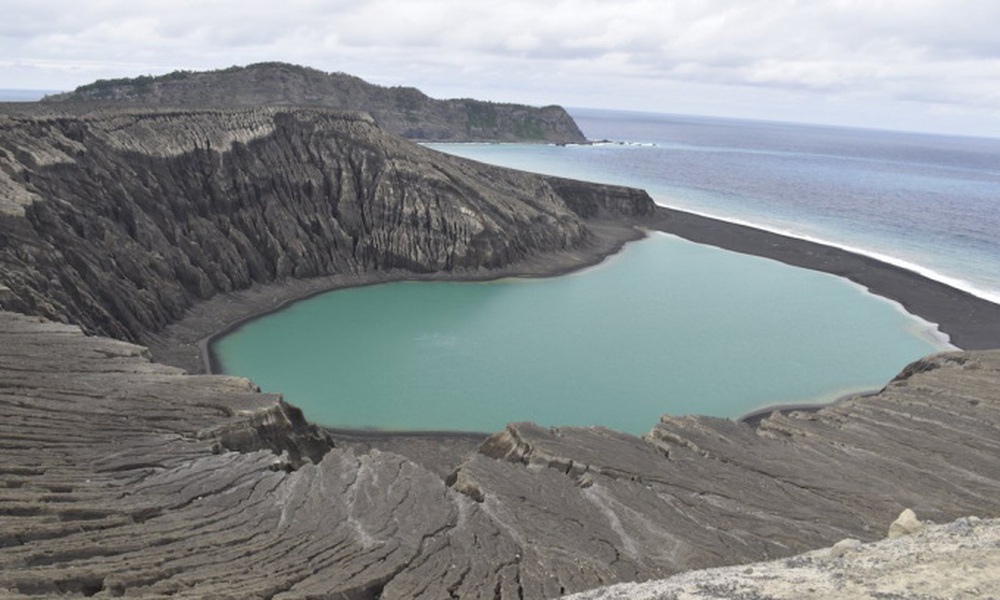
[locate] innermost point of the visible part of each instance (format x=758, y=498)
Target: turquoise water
x=666, y=326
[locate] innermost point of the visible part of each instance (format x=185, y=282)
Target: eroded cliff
x=120, y=220
x=403, y=110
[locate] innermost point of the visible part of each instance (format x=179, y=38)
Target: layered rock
x=120, y=220
x=402, y=110
x=123, y=476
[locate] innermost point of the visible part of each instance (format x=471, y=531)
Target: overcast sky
x=926, y=65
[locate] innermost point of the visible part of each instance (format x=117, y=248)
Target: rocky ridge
x=120, y=220
x=403, y=110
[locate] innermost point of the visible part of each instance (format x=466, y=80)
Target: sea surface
x=9, y=95
x=666, y=326
x=929, y=203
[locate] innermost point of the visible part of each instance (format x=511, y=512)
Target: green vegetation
x=105, y=88
x=482, y=116
x=529, y=128
x=407, y=98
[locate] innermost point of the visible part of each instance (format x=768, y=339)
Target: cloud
x=875, y=51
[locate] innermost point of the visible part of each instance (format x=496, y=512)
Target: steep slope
x=119, y=221
x=402, y=110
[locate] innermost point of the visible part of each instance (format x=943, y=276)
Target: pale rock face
x=959, y=560
x=906, y=524
x=844, y=546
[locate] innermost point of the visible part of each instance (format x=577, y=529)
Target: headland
x=405, y=111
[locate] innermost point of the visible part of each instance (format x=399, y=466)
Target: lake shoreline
x=969, y=321
x=188, y=343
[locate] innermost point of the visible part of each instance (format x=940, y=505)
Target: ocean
x=666, y=326
x=928, y=203
x=9, y=95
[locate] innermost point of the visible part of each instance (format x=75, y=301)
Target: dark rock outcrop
x=120, y=220
x=126, y=477
x=403, y=110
